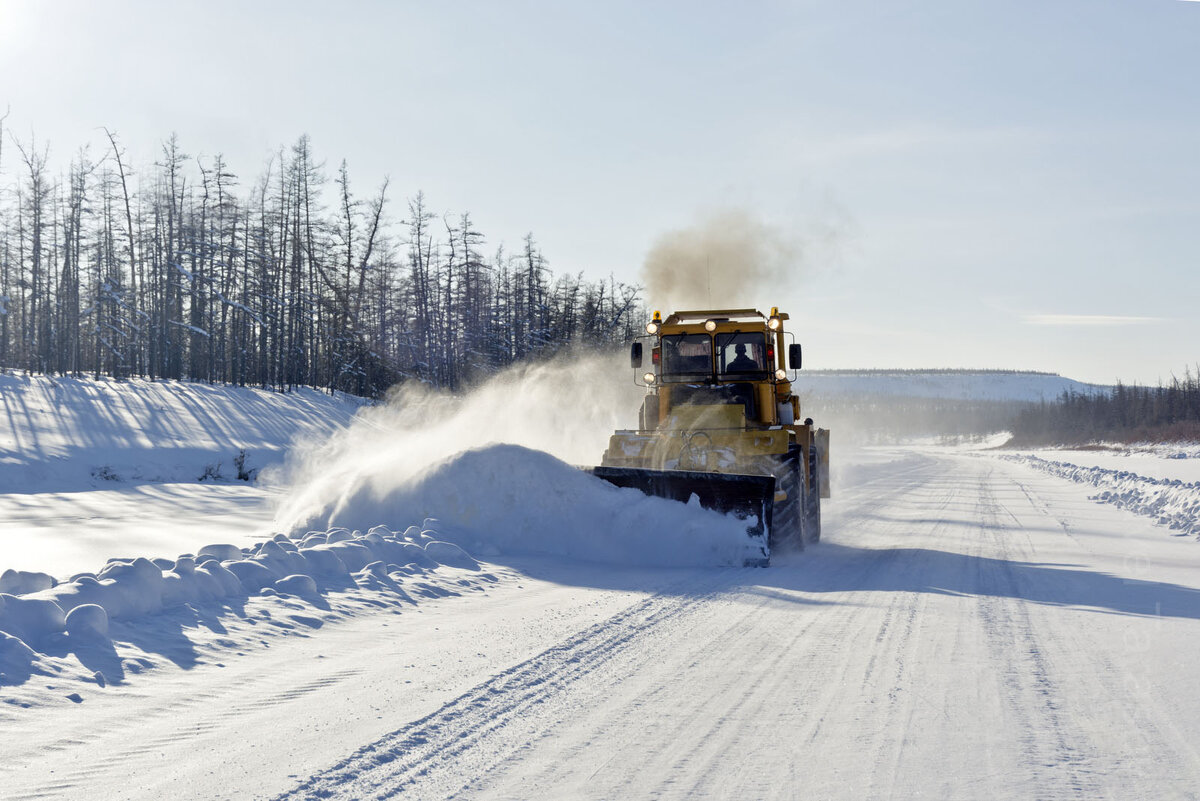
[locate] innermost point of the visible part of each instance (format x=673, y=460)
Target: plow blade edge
x=748, y=497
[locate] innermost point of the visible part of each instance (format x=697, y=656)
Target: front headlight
x=710, y=325
x=781, y=374
x=648, y=378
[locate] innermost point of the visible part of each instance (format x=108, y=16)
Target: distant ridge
x=930, y=370
x=1027, y=386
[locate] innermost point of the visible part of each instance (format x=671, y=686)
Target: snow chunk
x=222, y=551
x=298, y=584
x=447, y=553
x=30, y=618
x=253, y=576
x=87, y=621
x=23, y=582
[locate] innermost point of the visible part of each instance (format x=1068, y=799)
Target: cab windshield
x=742, y=356
x=687, y=357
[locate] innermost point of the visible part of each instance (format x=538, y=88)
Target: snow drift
x=1171, y=502
x=304, y=565
x=508, y=499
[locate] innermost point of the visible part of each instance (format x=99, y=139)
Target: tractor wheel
x=788, y=516
x=812, y=499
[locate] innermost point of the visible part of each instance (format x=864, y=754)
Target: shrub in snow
x=212, y=472
x=23, y=582
x=30, y=618
x=447, y=553
x=105, y=473
x=244, y=473
x=223, y=552
x=87, y=621
x=298, y=584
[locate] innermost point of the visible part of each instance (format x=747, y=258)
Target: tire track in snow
x=1144, y=718
x=480, y=725
x=191, y=726
x=1056, y=753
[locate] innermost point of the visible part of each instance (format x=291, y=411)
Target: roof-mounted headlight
x=652, y=328
x=710, y=325
x=648, y=378
x=781, y=374
x=773, y=323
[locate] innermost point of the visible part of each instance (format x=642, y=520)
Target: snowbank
x=1171, y=502
x=303, y=565
x=66, y=434
x=92, y=469
x=508, y=499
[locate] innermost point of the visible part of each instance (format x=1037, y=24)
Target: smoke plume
x=727, y=257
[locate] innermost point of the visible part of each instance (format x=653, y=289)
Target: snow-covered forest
x=188, y=269
x=1169, y=412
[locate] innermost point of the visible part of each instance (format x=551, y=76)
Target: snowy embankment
x=96, y=469
x=1172, y=502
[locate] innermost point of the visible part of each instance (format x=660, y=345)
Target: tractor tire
x=812, y=499
x=788, y=516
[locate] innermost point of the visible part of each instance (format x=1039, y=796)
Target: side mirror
x=635, y=355
x=794, y=356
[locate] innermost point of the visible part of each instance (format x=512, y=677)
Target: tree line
x=183, y=270
x=1129, y=413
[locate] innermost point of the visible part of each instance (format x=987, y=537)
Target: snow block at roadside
x=1171, y=502
x=507, y=499
x=300, y=565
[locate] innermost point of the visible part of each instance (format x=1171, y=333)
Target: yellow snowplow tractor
x=720, y=422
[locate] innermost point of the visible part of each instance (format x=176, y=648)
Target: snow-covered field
x=91, y=470
x=972, y=626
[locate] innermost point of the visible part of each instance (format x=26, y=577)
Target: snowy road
x=970, y=628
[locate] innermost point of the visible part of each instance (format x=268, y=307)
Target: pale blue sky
x=1012, y=184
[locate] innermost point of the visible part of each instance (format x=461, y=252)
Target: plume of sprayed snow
x=567, y=407
x=727, y=256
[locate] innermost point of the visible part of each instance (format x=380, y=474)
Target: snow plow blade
x=749, y=497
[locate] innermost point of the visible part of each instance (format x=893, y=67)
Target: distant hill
x=967, y=385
